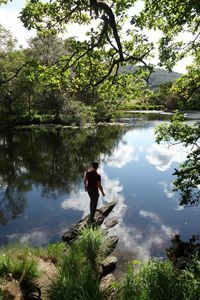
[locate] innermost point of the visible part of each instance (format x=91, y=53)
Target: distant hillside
x=158, y=78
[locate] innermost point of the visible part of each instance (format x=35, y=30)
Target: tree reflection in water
x=52, y=159
x=181, y=252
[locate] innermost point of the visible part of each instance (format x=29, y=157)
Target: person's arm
x=100, y=188
x=85, y=182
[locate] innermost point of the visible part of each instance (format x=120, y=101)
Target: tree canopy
x=72, y=78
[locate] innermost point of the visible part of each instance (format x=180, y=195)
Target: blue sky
x=15, y=5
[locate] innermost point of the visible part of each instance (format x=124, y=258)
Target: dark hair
x=95, y=164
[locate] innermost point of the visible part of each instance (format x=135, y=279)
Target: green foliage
x=77, y=113
x=190, y=280
x=18, y=262
x=76, y=280
x=154, y=280
x=188, y=174
x=182, y=252
x=159, y=280
x=92, y=243
x=53, y=252
x=172, y=18
x=78, y=277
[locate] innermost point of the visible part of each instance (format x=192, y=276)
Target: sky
x=9, y=18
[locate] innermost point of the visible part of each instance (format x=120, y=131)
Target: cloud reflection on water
x=167, y=188
x=34, y=237
x=162, y=156
x=120, y=156
x=140, y=240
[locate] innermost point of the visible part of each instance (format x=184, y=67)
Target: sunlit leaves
x=176, y=19
x=187, y=181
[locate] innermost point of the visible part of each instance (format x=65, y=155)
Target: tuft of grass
x=76, y=279
x=92, y=243
x=160, y=280
x=17, y=261
x=54, y=252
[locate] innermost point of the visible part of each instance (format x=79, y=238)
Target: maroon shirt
x=92, y=178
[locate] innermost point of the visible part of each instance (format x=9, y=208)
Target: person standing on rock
x=92, y=182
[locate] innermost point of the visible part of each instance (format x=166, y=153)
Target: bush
x=159, y=280
x=76, y=113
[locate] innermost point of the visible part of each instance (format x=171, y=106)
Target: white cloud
x=35, y=237
x=149, y=214
x=141, y=242
x=80, y=200
x=121, y=156
x=167, y=187
x=162, y=156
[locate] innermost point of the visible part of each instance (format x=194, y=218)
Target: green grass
x=53, y=252
x=17, y=261
x=159, y=280
x=78, y=277
x=92, y=243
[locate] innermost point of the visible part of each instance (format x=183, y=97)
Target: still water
x=42, y=195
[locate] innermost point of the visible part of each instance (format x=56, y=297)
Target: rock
x=111, y=222
x=106, y=284
x=99, y=217
x=112, y=242
x=106, y=210
x=109, y=264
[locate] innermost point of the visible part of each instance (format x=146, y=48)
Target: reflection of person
x=92, y=182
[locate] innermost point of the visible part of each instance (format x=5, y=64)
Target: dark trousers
x=94, y=196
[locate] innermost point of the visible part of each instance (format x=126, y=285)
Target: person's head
x=95, y=165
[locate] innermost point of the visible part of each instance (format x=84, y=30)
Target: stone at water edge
x=106, y=210
x=111, y=222
x=99, y=217
x=108, y=264
x=106, y=284
x=112, y=242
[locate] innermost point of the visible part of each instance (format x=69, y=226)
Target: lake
x=42, y=194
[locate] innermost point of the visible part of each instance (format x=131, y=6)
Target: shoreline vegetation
x=81, y=268
x=35, y=120
x=26, y=121
x=60, y=272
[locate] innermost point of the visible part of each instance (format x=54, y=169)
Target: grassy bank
x=76, y=273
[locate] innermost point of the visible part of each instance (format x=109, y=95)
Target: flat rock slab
x=99, y=217
x=111, y=222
